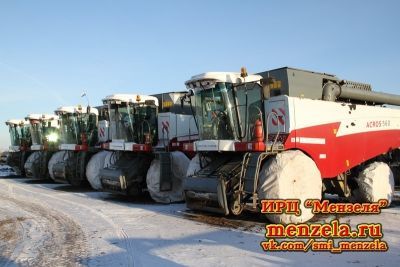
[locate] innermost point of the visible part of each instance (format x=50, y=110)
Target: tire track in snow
x=120, y=232
x=129, y=245
x=10, y=237
x=47, y=238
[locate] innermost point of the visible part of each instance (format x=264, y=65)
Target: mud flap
x=60, y=172
x=24, y=157
x=206, y=194
x=32, y=165
x=44, y=171
x=77, y=168
x=127, y=175
x=165, y=171
x=113, y=180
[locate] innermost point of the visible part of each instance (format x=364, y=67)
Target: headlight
x=53, y=137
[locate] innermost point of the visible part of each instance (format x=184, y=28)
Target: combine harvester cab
x=44, y=130
x=78, y=140
x=21, y=141
x=275, y=134
x=146, y=133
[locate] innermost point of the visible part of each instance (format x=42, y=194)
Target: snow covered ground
x=55, y=225
x=7, y=171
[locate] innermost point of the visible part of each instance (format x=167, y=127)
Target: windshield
x=43, y=131
x=50, y=132
x=133, y=122
x=36, y=132
x=78, y=128
x=214, y=112
x=25, y=139
x=15, y=133
x=228, y=112
x=249, y=108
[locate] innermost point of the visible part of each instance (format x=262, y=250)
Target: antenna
x=87, y=98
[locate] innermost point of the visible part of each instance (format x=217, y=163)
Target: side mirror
x=88, y=109
x=188, y=95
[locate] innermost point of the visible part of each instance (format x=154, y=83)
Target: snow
x=122, y=233
x=7, y=171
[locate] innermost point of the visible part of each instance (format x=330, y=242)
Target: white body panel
x=36, y=147
x=278, y=118
x=128, y=146
x=117, y=145
x=304, y=113
x=67, y=147
x=171, y=125
x=214, y=145
x=103, y=131
x=14, y=149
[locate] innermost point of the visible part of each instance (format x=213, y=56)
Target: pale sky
x=51, y=51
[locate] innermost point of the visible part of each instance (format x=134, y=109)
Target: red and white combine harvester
x=78, y=140
x=289, y=134
x=147, y=136
x=20, y=148
x=44, y=130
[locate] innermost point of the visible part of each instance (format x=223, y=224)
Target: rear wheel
x=93, y=168
x=290, y=175
x=55, y=158
x=375, y=182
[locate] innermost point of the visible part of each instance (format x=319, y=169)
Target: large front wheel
x=290, y=175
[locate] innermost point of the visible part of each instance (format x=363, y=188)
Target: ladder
x=249, y=174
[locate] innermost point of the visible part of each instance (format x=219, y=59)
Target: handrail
x=267, y=130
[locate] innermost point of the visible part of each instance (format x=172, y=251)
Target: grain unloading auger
x=44, y=130
x=275, y=134
x=145, y=132
x=21, y=141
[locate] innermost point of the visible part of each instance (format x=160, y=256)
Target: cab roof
x=230, y=77
x=130, y=98
x=41, y=117
x=16, y=122
x=76, y=109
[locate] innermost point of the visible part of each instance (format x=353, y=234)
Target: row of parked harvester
x=229, y=141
